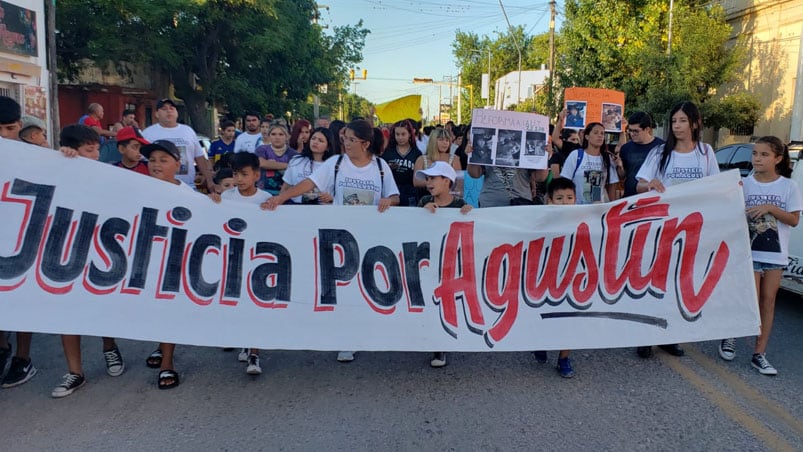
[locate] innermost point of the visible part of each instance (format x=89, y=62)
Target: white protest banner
x=509, y=138
x=88, y=248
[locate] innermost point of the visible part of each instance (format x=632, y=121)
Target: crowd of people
x=271, y=163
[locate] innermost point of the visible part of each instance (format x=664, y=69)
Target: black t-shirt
x=403, y=171
x=633, y=156
x=457, y=202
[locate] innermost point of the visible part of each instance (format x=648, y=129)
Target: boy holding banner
x=21, y=369
x=561, y=192
x=440, y=178
x=82, y=141
x=245, y=167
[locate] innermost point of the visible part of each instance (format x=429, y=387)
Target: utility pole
x=551, y=94
x=459, y=98
x=669, y=34
x=53, y=77
x=518, y=48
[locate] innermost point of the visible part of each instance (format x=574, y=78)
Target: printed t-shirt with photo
x=681, y=167
x=298, y=169
x=769, y=238
x=246, y=142
x=591, y=178
x=187, y=143
x=233, y=194
x=355, y=186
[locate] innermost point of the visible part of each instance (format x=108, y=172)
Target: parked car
x=736, y=156
x=794, y=150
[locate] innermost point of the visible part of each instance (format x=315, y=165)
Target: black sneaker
x=20, y=372
x=673, y=349
x=68, y=386
x=644, y=352
x=114, y=362
x=761, y=364
x=540, y=356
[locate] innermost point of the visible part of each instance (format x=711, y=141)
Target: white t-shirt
x=769, y=238
x=247, y=142
x=233, y=194
x=681, y=167
x=590, y=179
x=355, y=186
x=298, y=169
x=187, y=143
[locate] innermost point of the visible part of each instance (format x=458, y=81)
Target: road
x=395, y=401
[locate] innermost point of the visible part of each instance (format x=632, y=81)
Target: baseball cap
x=32, y=121
x=130, y=133
x=164, y=101
x=437, y=169
x=161, y=145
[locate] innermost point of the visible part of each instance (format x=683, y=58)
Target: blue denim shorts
x=761, y=267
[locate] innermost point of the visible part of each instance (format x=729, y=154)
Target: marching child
x=561, y=191
x=82, y=141
x=245, y=166
x=773, y=203
x=164, y=162
x=129, y=142
x=224, y=180
x=440, y=178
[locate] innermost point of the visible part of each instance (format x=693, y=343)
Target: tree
x=471, y=52
x=264, y=55
x=623, y=45
x=738, y=111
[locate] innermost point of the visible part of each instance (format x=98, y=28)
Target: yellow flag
x=401, y=108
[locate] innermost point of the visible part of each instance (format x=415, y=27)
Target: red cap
x=130, y=133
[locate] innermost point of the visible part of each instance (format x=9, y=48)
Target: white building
x=23, y=56
x=507, y=87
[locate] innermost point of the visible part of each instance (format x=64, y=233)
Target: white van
x=793, y=275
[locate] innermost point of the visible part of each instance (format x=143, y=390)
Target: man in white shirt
x=251, y=138
x=185, y=139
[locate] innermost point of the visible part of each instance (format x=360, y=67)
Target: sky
x=413, y=39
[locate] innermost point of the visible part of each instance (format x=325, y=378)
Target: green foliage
x=741, y=110
x=623, y=45
x=471, y=53
x=265, y=55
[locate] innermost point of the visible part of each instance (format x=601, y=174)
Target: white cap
x=437, y=169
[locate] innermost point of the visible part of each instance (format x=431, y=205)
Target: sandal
x=154, y=360
x=168, y=379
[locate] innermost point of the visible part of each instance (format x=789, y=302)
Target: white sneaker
x=345, y=357
x=727, y=349
x=243, y=356
x=762, y=365
x=253, y=365
x=438, y=359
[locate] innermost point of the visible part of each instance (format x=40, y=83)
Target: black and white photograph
x=482, y=142
x=508, y=148
x=535, y=144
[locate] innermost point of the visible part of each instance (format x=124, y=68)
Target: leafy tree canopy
x=264, y=55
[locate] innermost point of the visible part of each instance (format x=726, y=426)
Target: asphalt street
x=395, y=401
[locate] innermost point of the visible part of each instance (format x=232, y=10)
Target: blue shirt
x=218, y=147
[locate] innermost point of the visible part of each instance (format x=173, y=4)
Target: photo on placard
x=535, y=144
x=508, y=148
x=612, y=117
x=481, y=142
x=576, y=114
